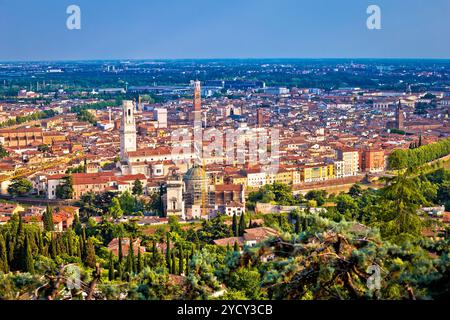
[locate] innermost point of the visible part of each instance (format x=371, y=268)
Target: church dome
x=195, y=173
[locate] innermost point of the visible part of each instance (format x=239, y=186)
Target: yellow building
x=315, y=173
x=52, y=137
x=284, y=176
x=239, y=179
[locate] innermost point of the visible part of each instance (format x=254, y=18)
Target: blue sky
x=165, y=29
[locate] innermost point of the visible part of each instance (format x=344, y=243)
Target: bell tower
x=127, y=129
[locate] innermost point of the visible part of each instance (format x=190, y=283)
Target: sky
x=33, y=30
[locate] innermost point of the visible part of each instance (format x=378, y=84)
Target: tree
x=47, y=219
x=3, y=152
x=173, y=264
x=65, y=190
x=241, y=229
x=90, y=258
x=317, y=195
x=120, y=252
x=28, y=263
x=43, y=148
x=140, y=262
x=138, y=189
x=129, y=264
x=411, y=158
x=180, y=261
x=115, y=210
x=402, y=198
x=168, y=255
x=347, y=206
x=111, y=267
x=214, y=229
x=127, y=202
x=3, y=256
x=19, y=187
x=355, y=191
x=131, y=253
x=235, y=226
x=246, y=280
x=298, y=226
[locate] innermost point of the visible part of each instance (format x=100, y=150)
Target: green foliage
x=214, y=229
x=317, y=195
x=275, y=193
x=20, y=187
x=138, y=188
x=3, y=152
x=90, y=258
x=65, y=190
x=115, y=210
x=86, y=116
x=400, y=159
x=242, y=225
x=127, y=202
x=31, y=117
x=47, y=219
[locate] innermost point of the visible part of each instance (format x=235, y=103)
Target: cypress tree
x=40, y=243
x=77, y=225
x=187, y=264
x=9, y=241
x=111, y=267
x=81, y=245
x=119, y=271
x=28, y=262
x=154, y=249
x=129, y=265
x=297, y=224
x=250, y=223
x=120, y=253
x=3, y=256
x=168, y=256
x=53, y=248
x=228, y=247
x=83, y=235
x=131, y=252
x=174, y=264
x=169, y=264
x=140, y=263
x=48, y=219
x=234, y=226
x=90, y=259
x=180, y=261
x=69, y=243
x=242, y=225
x=79, y=250
x=20, y=227
x=236, y=247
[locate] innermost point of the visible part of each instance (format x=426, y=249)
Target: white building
x=127, y=129
x=160, y=115
x=350, y=157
